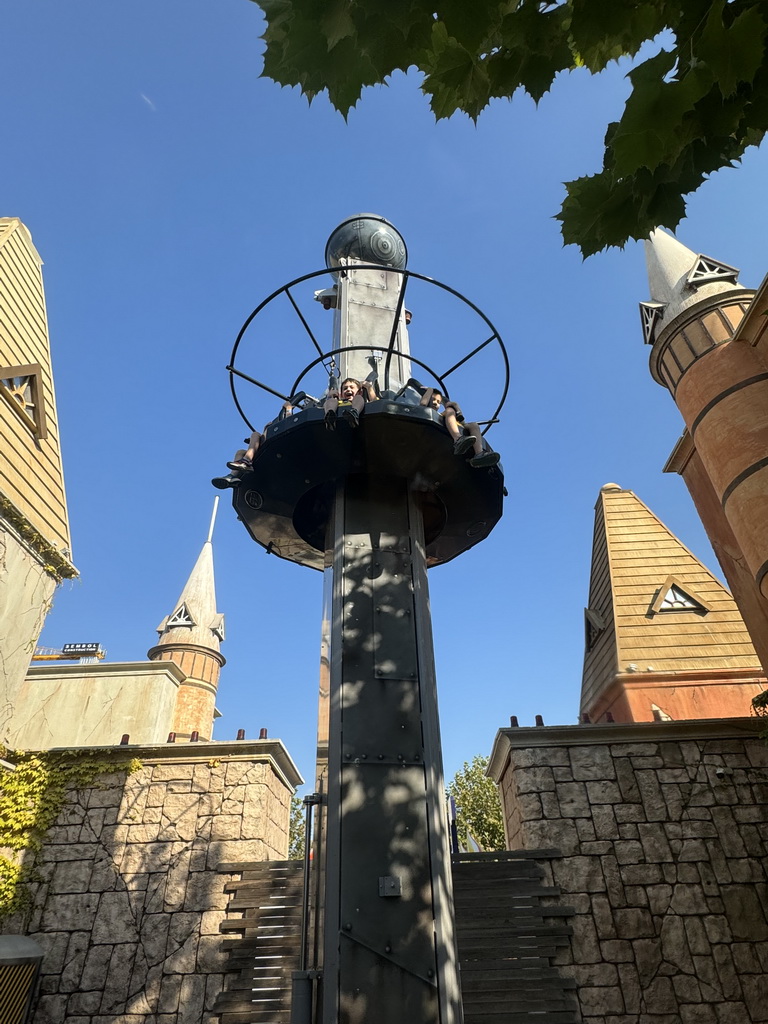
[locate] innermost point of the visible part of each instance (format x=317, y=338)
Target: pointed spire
x=655, y=611
x=678, y=278
x=194, y=619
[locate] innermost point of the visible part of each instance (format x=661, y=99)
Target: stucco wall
x=130, y=901
x=664, y=834
x=26, y=591
x=63, y=705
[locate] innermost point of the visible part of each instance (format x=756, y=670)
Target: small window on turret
x=672, y=597
x=594, y=625
x=20, y=387
x=181, y=617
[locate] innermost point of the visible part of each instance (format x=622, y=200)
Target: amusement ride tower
x=373, y=505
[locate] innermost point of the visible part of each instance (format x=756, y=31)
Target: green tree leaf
x=733, y=52
x=694, y=107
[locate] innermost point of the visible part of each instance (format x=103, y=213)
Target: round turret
x=368, y=238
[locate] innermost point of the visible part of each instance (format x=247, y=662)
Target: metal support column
x=389, y=952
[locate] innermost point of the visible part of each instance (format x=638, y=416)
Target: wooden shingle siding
x=30, y=470
x=633, y=557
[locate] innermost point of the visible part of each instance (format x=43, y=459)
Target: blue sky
x=169, y=189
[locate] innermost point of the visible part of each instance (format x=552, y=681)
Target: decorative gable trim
x=594, y=625
x=21, y=387
x=673, y=596
x=181, y=617
x=706, y=270
x=650, y=314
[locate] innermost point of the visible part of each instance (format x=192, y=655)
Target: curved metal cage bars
x=392, y=349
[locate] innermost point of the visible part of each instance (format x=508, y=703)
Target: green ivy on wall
x=31, y=797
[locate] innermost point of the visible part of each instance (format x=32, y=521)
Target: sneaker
x=463, y=444
x=242, y=464
x=352, y=416
x=223, y=482
x=484, y=460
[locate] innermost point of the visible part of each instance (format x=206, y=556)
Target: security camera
x=327, y=297
x=719, y=773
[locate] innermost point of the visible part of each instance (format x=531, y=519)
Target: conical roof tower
x=709, y=348
x=191, y=637
x=664, y=638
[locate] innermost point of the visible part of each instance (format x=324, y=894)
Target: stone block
x=170, y=991
x=617, y=951
x=594, y=974
x=592, y=763
x=172, y=772
x=674, y=944
x=754, y=996
x=688, y=899
x=579, y=874
x=534, y=757
x=745, y=958
x=118, y=978
x=184, y=786
x=698, y=943
x=192, y=999
x=600, y=1000
x=95, y=969
x=650, y=793
x=228, y=826
x=697, y=1013
x=669, y=776
x=572, y=797
x=732, y=1013
x=254, y=849
x=629, y=813
x=752, y=840
x=613, y=883
x=104, y=874
x=659, y=996
x=54, y=945
x=114, y=921
x=563, y=774
x=706, y=972
x=214, y=986
x=676, y=799
x=686, y=988
x=156, y=795
x=636, y=896
x=50, y=1009
x=604, y=922
x=70, y=913
x=72, y=970
x=728, y=832
x=633, y=923
x=630, y=986
x=628, y=852
x=605, y=823
x=211, y=956
x=717, y=929
x=698, y=829
x=154, y=937
x=693, y=850
x=145, y=857
x=534, y=780
x=688, y=873
x=143, y=832
x=586, y=830
x=655, y=844
x=85, y=1003
x=178, y=878
x=49, y=984
x=745, y=913
x=628, y=830
x=659, y=898
x=205, y=892
x=726, y=971
x=603, y=792
x=597, y=848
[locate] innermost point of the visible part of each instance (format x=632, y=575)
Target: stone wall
x=130, y=900
x=663, y=829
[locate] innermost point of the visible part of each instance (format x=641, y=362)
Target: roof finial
x=213, y=519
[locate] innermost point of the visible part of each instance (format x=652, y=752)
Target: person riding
x=467, y=437
x=350, y=398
